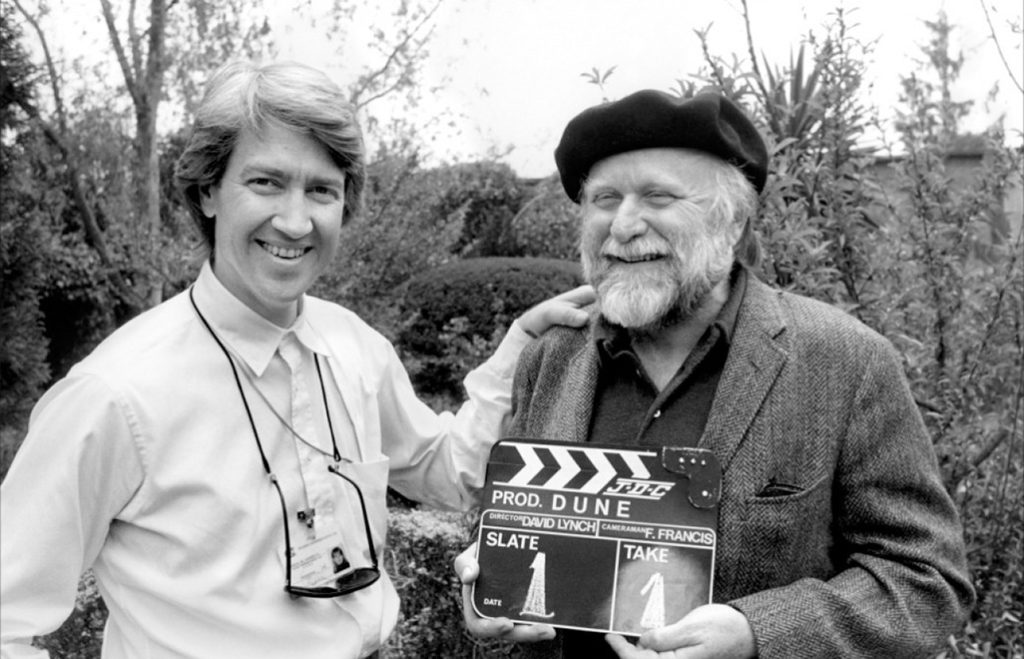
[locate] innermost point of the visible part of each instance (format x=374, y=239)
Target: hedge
x=470, y=301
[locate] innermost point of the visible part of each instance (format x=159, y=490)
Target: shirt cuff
x=503, y=361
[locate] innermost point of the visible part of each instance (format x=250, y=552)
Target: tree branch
x=716, y=71
x=382, y=93
x=122, y=60
x=367, y=81
x=134, y=42
x=154, y=58
x=58, y=100
x=990, y=327
x=753, y=58
x=977, y=457
x=999, y=47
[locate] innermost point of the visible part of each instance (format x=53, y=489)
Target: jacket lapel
x=755, y=360
x=577, y=400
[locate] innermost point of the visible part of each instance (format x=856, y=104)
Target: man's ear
x=206, y=201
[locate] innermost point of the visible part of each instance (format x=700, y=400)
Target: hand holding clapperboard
x=597, y=537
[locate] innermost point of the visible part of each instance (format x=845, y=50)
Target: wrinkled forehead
x=661, y=166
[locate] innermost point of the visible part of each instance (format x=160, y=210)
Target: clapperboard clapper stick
x=597, y=537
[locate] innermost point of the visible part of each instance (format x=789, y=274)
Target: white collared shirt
x=142, y=464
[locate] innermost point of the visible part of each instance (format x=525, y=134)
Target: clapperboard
x=597, y=537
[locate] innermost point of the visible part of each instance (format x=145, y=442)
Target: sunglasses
x=357, y=579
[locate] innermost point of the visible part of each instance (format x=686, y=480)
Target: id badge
x=321, y=561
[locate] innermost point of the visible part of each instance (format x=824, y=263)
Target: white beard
x=648, y=297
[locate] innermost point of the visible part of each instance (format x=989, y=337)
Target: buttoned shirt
x=142, y=463
x=629, y=408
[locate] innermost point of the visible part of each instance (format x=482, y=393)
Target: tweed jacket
x=836, y=536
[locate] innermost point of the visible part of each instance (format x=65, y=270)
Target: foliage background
x=914, y=246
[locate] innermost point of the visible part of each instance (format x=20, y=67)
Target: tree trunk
x=144, y=82
x=149, y=158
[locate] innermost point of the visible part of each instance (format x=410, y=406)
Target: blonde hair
x=243, y=96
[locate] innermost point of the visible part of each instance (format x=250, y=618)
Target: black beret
x=652, y=119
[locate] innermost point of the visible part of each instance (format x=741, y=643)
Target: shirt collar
x=613, y=340
x=248, y=335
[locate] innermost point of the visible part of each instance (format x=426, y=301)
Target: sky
x=516, y=65
x=508, y=72
x=513, y=67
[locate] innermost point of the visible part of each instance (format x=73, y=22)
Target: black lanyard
x=245, y=401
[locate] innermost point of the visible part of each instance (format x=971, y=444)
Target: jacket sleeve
x=75, y=470
x=902, y=584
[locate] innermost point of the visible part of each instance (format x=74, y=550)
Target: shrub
x=24, y=232
x=23, y=368
x=547, y=224
x=416, y=219
x=422, y=546
x=81, y=635
x=487, y=194
x=994, y=530
x=399, y=234
x=927, y=259
x=10, y=440
x=459, y=311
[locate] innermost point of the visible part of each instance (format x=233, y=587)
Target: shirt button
x=657, y=414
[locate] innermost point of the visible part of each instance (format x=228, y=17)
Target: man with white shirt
x=207, y=457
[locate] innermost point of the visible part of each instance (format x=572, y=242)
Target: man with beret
x=836, y=537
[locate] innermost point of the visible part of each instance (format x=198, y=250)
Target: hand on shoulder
x=564, y=309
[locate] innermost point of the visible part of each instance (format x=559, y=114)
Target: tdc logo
x=638, y=489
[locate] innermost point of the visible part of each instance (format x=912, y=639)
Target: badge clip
x=307, y=516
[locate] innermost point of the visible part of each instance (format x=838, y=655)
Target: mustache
x=635, y=250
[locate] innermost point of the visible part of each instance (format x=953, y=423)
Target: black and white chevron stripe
x=576, y=469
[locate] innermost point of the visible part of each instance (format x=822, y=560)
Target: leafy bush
x=24, y=371
x=24, y=235
x=399, y=234
x=959, y=319
x=81, y=635
x=466, y=306
x=487, y=194
x=10, y=439
x=993, y=520
x=547, y=224
x=422, y=546
x=417, y=219
x=923, y=256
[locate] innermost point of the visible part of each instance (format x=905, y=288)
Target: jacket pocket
x=785, y=533
x=778, y=492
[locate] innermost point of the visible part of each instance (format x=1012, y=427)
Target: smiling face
x=654, y=242
x=278, y=212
